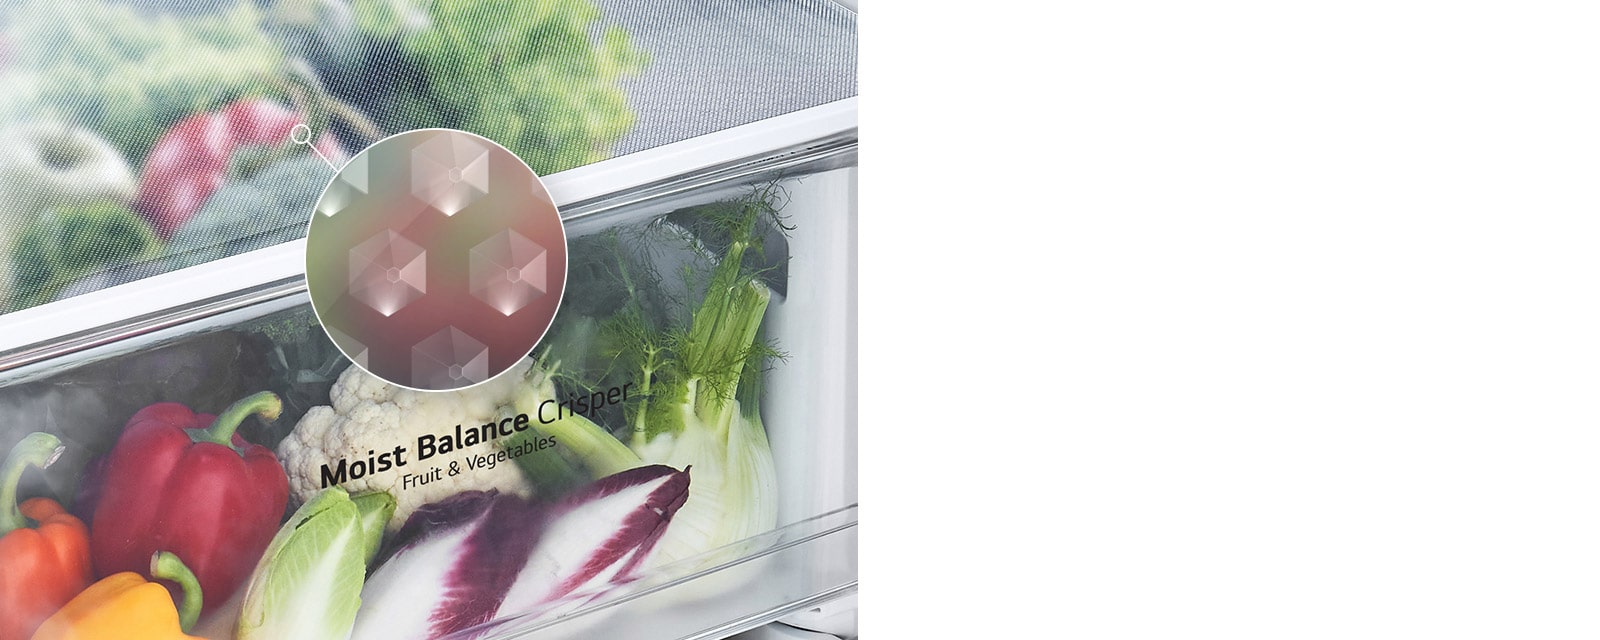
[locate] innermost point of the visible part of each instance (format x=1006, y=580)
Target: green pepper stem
x=263, y=403
x=167, y=566
x=35, y=450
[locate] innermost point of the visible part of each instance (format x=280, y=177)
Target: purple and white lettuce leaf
x=599, y=535
x=479, y=556
x=452, y=563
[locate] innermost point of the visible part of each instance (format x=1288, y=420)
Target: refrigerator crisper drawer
x=643, y=231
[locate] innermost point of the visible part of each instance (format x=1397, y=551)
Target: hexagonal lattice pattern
x=449, y=172
x=449, y=359
x=351, y=347
x=508, y=271
x=387, y=272
x=351, y=183
x=435, y=259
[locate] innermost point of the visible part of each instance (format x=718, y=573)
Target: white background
x=1231, y=319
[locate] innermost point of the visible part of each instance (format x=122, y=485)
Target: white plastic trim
x=247, y=270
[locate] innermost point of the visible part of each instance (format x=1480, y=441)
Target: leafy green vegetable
x=72, y=242
x=302, y=361
x=317, y=30
x=389, y=17
x=376, y=509
x=308, y=583
x=529, y=75
x=261, y=210
x=126, y=74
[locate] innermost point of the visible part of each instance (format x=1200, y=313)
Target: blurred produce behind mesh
x=141, y=136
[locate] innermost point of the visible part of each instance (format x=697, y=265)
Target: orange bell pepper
x=124, y=606
x=43, y=566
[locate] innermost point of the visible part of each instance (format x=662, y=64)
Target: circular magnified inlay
x=436, y=259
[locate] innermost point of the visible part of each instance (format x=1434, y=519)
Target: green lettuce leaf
x=308, y=583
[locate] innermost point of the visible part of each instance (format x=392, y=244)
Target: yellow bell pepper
x=125, y=606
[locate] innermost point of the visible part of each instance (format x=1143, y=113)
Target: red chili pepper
x=173, y=483
x=190, y=161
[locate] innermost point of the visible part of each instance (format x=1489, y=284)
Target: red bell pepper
x=44, y=552
x=190, y=161
x=173, y=483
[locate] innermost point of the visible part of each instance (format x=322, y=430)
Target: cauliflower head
x=370, y=415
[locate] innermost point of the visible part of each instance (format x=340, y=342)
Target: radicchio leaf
x=450, y=567
x=599, y=535
x=479, y=556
